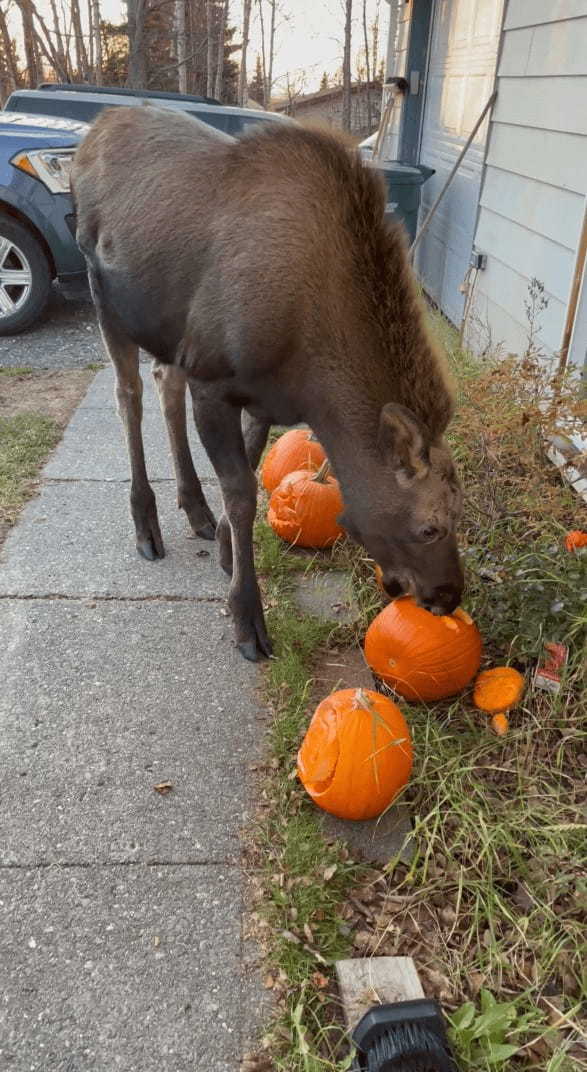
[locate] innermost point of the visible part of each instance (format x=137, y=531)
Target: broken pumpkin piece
x=498, y=689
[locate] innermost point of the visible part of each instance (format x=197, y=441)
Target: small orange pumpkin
x=500, y=724
x=575, y=539
x=304, y=507
x=498, y=689
x=296, y=449
x=423, y=657
x=356, y=755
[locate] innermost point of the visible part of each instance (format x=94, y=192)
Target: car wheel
x=25, y=277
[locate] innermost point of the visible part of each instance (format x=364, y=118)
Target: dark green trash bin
x=404, y=183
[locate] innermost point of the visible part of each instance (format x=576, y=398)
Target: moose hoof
x=258, y=646
x=250, y=650
x=201, y=519
x=207, y=531
x=150, y=548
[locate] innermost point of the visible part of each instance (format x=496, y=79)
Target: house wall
x=533, y=195
x=329, y=111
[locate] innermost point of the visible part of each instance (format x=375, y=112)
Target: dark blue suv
x=39, y=131
x=37, y=226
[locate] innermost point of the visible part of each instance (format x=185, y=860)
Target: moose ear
x=401, y=441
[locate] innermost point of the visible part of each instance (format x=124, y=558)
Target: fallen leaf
x=268, y=982
x=320, y=980
x=163, y=788
x=329, y=872
x=156, y=941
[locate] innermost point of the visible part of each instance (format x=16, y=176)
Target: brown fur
x=265, y=270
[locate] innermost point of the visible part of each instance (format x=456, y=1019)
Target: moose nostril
x=393, y=588
x=443, y=600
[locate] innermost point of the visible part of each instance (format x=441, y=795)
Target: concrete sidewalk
x=120, y=909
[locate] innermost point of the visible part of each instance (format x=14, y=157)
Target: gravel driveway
x=68, y=338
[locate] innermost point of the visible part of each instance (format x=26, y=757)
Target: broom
x=408, y=1036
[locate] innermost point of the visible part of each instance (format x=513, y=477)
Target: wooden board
x=369, y=981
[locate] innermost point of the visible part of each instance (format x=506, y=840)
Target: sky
x=309, y=37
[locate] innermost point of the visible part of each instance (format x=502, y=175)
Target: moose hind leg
x=219, y=427
x=171, y=386
x=255, y=432
x=129, y=392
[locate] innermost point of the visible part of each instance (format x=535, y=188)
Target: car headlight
x=51, y=166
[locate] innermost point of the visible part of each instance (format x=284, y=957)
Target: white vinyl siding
x=461, y=72
x=533, y=195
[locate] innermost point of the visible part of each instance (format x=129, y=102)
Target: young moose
x=261, y=270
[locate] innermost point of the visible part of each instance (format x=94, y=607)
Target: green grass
x=303, y=880
x=491, y=906
x=23, y=370
x=25, y=441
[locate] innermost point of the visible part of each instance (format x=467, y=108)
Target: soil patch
x=53, y=394
x=35, y=408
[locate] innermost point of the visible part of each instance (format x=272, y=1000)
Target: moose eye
x=430, y=533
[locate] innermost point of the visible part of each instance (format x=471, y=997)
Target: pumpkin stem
x=322, y=474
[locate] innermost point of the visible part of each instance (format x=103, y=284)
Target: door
x=461, y=69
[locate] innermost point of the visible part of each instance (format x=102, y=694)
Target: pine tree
x=257, y=85
x=324, y=84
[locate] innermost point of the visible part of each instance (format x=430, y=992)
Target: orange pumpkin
x=303, y=509
x=500, y=724
x=356, y=755
x=296, y=449
x=498, y=689
x=423, y=657
x=575, y=539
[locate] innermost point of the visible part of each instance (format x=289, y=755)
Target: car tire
x=25, y=277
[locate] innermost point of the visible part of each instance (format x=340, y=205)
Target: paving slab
x=94, y=448
x=101, y=702
x=126, y=968
x=78, y=539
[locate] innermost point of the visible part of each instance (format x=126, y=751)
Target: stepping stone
x=326, y=594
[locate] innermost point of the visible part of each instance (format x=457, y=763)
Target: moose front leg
x=219, y=428
x=171, y=385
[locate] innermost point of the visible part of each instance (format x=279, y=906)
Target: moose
x=262, y=273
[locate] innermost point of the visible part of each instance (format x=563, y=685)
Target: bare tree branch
x=367, y=65
x=220, y=55
x=210, y=63
x=181, y=46
x=346, y=67
x=242, y=80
